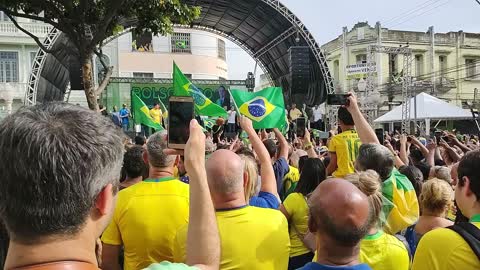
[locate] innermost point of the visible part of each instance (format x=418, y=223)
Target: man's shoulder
x=145, y=188
x=266, y=215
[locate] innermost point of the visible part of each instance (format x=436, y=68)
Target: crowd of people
x=77, y=193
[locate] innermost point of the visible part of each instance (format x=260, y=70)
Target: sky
x=325, y=20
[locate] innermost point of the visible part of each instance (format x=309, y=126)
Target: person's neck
x=80, y=248
x=228, y=201
x=373, y=231
x=347, y=128
x=131, y=181
x=473, y=211
x=329, y=253
x=432, y=214
x=157, y=173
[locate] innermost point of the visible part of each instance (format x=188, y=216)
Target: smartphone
x=438, y=136
x=409, y=139
x=180, y=114
x=301, y=125
x=446, y=139
x=380, y=135
x=337, y=99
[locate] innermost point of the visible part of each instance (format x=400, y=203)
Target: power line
x=418, y=15
x=408, y=12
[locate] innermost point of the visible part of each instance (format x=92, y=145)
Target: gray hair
x=375, y=157
x=155, y=146
x=56, y=159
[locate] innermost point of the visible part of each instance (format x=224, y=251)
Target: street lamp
x=250, y=82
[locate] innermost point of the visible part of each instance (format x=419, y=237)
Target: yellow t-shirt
x=345, y=145
x=383, y=251
x=146, y=219
x=156, y=115
x=251, y=238
x=290, y=181
x=294, y=114
x=444, y=249
x=297, y=209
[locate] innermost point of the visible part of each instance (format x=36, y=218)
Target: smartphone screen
x=380, y=135
x=301, y=125
x=337, y=99
x=180, y=114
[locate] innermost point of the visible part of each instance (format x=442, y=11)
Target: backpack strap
x=470, y=233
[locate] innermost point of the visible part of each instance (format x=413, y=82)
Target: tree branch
x=99, y=56
x=32, y=17
x=35, y=38
x=103, y=25
x=105, y=81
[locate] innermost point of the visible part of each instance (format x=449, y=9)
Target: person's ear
x=466, y=187
x=245, y=180
x=105, y=200
x=145, y=157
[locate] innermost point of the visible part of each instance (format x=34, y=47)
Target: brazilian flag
x=141, y=114
x=265, y=108
x=203, y=106
x=400, y=204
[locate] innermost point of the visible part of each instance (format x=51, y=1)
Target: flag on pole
x=163, y=108
x=265, y=108
x=203, y=106
x=141, y=114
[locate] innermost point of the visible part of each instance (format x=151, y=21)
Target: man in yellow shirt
x=251, y=237
x=156, y=113
x=295, y=112
x=443, y=249
x=344, y=146
x=148, y=214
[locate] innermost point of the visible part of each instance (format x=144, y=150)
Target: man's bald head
x=225, y=172
x=340, y=211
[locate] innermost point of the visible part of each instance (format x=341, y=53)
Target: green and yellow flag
x=203, y=106
x=265, y=108
x=141, y=114
x=400, y=204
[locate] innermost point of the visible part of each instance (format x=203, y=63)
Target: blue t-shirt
x=280, y=168
x=317, y=266
x=124, y=112
x=265, y=200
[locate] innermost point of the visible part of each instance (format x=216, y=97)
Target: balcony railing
x=36, y=28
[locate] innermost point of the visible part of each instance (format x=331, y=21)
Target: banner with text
x=360, y=70
x=150, y=93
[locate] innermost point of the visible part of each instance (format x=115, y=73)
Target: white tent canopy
x=428, y=108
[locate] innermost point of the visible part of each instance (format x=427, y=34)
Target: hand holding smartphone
x=301, y=126
x=180, y=114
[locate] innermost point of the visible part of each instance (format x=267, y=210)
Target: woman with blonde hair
x=379, y=250
x=435, y=201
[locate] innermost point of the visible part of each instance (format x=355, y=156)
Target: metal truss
x=303, y=31
x=275, y=42
x=234, y=40
x=170, y=81
x=38, y=63
x=369, y=109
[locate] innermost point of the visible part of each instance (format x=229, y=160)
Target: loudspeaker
x=299, y=69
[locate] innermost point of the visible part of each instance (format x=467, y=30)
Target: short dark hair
x=56, y=159
x=424, y=169
x=271, y=147
x=313, y=173
x=345, y=116
x=468, y=167
x=415, y=176
x=376, y=157
x=140, y=140
x=133, y=163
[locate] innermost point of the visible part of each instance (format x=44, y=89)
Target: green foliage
x=103, y=17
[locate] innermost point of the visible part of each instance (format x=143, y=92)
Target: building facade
x=17, y=53
x=446, y=65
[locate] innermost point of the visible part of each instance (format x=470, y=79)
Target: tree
x=87, y=23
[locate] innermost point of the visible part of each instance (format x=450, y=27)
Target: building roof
x=428, y=107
